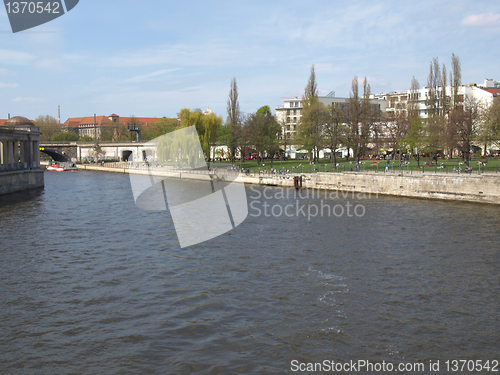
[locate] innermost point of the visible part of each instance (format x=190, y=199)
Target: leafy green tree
x=264, y=110
x=159, y=128
x=263, y=133
x=309, y=130
x=86, y=138
x=64, y=136
x=206, y=127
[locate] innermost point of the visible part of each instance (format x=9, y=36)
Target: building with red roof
x=92, y=126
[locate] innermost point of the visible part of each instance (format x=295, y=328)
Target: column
x=15, y=144
x=22, y=154
x=36, y=154
x=10, y=154
x=2, y=156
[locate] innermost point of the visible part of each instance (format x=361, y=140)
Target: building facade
x=398, y=100
x=289, y=114
x=391, y=104
x=93, y=126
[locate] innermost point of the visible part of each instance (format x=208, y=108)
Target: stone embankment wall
x=13, y=181
x=484, y=188
x=471, y=188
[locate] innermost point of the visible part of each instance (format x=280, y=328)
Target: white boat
x=62, y=167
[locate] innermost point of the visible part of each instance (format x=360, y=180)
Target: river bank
x=481, y=188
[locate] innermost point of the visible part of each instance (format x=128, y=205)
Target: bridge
x=19, y=156
x=76, y=151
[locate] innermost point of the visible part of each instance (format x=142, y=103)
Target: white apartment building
x=288, y=116
x=398, y=100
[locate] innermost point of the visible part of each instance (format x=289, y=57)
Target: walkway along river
x=482, y=188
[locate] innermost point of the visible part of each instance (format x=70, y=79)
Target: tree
x=465, y=120
x=107, y=133
x=159, y=128
x=206, y=127
x=96, y=152
x=455, y=79
x=414, y=138
x=134, y=125
x=311, y=90
x=64, y=136
x=490, y=131
x=434, y=120
x=308, y=134
x=369, y=116
x=263, y=133
x=334, y=129
x=233, y=121
x=360, y=118
x=264, y=110
x=48, y=127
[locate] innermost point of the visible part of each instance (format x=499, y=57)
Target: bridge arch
x=57, y=156
x=127, y=155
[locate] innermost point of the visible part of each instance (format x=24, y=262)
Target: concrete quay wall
x=14, y=181
x=471, y=188
x=484, y=188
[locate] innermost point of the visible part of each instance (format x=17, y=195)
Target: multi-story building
x=93, y=127
x=392, y=103
x=398, y=100
x=289, y=114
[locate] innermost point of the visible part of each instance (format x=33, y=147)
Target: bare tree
x=455, y=79
x=353, y=118
x=233, y=120
x=465, y=120
x=334, y=129
x=434, y=119
x=49, y=126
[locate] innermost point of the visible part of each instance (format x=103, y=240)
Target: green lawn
x=299, y=166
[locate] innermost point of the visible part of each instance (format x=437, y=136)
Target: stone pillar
x=2, y=155
x=29, y=153
x=22, y=154
x=15, y=144
x=36, y=153
x=10, y=154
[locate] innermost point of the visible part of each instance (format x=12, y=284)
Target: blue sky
x=152, y=58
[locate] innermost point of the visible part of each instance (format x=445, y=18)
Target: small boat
x=62, y=167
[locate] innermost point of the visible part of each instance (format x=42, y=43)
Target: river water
x=92, y=284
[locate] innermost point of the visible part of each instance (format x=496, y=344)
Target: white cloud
x=484, y=19
x=15, y=57
x=22, y=99
x=147, y=77
x=8, y=85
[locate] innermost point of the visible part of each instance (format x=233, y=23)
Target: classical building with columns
x=19, y=156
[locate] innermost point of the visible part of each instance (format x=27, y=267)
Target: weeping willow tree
x=190, y=145
x=180, y=148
